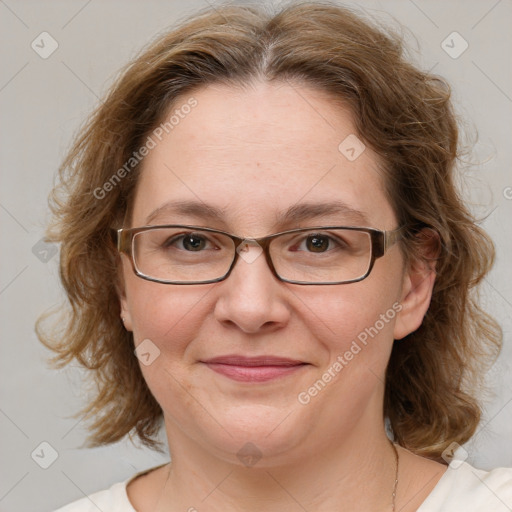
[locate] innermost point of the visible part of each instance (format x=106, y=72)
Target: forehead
x=254, y=154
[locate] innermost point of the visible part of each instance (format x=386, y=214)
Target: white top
x=462, y=488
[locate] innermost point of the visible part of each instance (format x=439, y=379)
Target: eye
x=319, y=243
x=191, y=242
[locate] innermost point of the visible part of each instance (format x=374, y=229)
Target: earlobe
x=125, y=314
x=417, y=287
x=123, y=302
x=415, y=302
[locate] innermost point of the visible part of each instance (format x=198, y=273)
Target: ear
x=417, y=285
x=125, y=314
x=123, y=301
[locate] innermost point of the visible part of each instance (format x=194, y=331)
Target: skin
x=255, y=152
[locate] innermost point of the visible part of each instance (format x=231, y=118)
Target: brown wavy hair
x=404, y=114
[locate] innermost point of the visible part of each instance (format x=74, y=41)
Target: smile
x=254, y=369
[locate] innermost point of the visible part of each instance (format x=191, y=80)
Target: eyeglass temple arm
x=391, y=237
x=121, y=240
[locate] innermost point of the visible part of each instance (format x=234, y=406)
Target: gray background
x=43, y=101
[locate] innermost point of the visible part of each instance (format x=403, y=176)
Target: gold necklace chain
x=395, y=485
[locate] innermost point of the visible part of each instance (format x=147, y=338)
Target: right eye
x=191, y=242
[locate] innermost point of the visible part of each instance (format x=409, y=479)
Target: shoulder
x=113, y=499
x=466, y=488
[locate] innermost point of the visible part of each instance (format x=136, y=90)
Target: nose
x=251, y=298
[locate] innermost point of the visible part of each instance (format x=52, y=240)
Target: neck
x=356, y=475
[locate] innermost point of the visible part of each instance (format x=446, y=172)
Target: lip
x=254, y=369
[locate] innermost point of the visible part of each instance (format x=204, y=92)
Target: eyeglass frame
x=380, y=242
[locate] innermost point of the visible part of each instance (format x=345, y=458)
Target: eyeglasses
x=175, y=254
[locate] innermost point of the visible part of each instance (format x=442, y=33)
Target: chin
x=264, y=433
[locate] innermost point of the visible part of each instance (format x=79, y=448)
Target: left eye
x=318, y=243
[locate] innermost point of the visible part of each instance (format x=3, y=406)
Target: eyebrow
x=294, y=214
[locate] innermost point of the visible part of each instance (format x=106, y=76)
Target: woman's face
x=254, y=154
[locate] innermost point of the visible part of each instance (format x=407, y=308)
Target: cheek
x=353, y=312
x=353, y=326
x=167, y=315
x=166, y=321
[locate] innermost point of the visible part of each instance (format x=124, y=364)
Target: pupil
x=192, y=242
x=317, y=243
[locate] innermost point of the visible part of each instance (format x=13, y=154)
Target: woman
x=265, y=253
